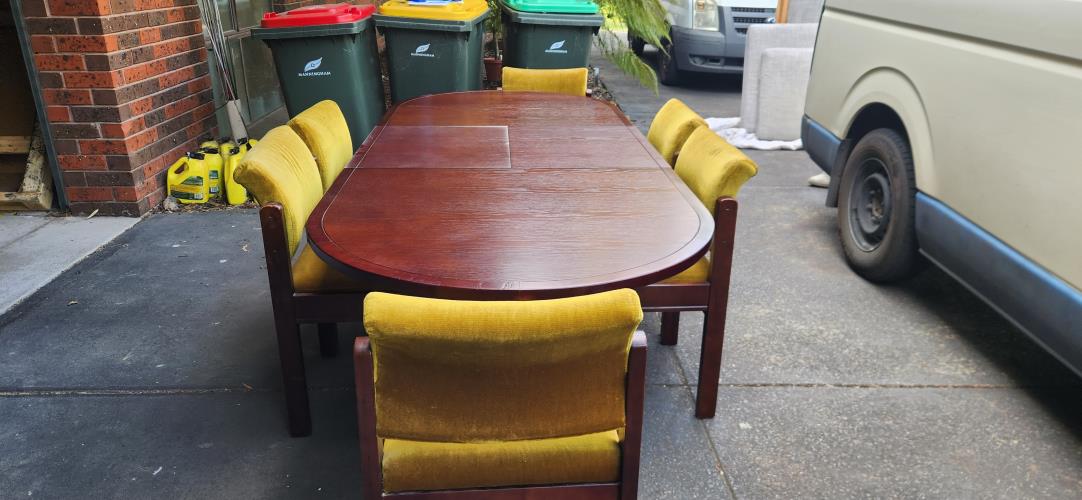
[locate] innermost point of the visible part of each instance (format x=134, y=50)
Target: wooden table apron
x=508, y=196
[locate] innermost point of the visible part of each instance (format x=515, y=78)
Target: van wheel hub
x=870, y=205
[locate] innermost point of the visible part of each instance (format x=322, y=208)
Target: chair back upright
x=712, y=168
x=280, y=169
x=324, y=129
x=464, y=371
x=570, y=81
x=672, y=126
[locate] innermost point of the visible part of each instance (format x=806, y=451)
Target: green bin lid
x=554, y=6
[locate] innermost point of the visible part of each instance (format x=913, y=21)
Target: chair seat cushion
x=699, y=272
x=312, y=275
x=427, y=465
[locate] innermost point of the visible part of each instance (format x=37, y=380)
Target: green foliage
x=615, y=49
x=647, y=20
x=494, y=22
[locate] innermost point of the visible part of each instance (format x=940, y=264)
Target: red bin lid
x=317, y=15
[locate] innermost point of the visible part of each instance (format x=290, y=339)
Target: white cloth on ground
x=728, y=129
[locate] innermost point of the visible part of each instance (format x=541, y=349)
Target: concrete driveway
x=836, y=388
x=149, y=370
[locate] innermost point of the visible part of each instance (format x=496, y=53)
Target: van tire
x=876, y=211
x=667, y=72
x=638, y=45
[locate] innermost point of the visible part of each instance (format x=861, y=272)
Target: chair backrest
x=463, y=371
x=712, y=168
x=280, y=169
x=571, y=81
x=672, y=126
x=323, y=128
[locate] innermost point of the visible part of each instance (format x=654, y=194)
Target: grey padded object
x=783, y=85
x=760, y=38
x=805, y=11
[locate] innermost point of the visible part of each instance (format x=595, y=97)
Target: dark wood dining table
x=496, y=195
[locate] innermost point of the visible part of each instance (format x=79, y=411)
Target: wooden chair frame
x=710, y=297
x=626, y=488
x=292, y=308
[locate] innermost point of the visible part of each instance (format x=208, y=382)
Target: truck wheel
x=667, y=73
x=876, y=208
x=638, y=45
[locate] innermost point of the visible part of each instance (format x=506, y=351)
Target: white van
x=707, y=36
x=953, y=129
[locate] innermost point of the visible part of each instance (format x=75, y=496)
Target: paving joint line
x=713, y=446
x=709, y=439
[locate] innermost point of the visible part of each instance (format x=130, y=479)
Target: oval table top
x=507, y=196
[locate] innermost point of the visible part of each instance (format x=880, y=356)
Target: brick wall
x=127, y=92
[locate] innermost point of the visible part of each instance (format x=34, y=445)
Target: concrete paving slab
x=900, y=443
x=784, y=169
x=183, y=446
x=14, y=226
x=36, y=249
x=678, y=461
x=662, y=365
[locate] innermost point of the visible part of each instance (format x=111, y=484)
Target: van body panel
x=1049, y=26
x=985, y=121
x=990, y=95
x=1039, y=303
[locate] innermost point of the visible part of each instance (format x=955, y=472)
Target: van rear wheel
x=876, y=208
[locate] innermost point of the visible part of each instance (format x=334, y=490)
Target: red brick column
x=127, y=92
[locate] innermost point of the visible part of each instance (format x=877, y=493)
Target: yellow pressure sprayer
x=187, y=180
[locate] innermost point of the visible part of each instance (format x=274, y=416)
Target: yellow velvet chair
x=282, y=176
x=714, y=171
x=528, y=399
x=672, y=126
x=570, y=81
x=323, y=128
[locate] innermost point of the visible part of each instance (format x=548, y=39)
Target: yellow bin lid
x=464, y=10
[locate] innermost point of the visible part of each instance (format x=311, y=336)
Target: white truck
x=707, y=36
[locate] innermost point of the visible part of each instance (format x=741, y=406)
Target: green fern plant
x=647, y=20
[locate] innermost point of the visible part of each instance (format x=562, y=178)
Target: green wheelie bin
x=432, y=46
x=549, y=34
x=328, y=52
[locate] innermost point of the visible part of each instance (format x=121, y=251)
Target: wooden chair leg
x=670, y=328
x=706, y=398
x=294, y=380
x=328, y=339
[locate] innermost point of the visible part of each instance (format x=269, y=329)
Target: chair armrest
x=276, y=251
x=371, y=465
